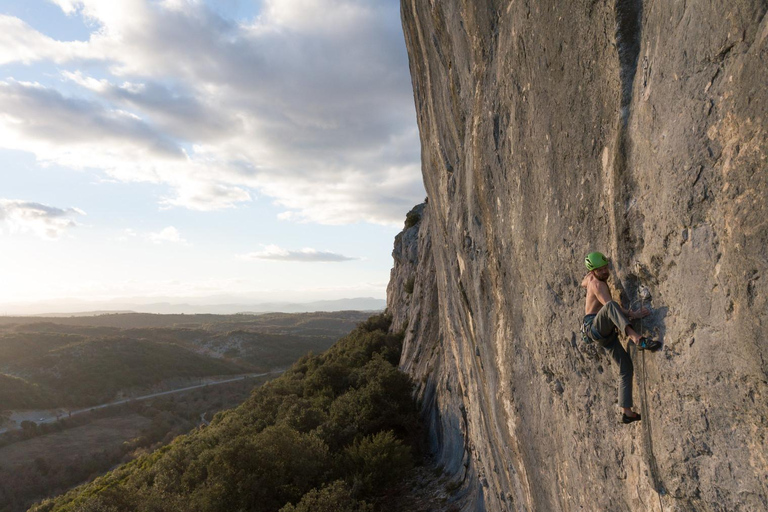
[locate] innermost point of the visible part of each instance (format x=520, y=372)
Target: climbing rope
x=643, y=293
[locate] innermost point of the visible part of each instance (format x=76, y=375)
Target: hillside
x=267, y=322
x=16, y=393
x=633, y=128
x=81, y=361
x=69, y=371
x=336, y=432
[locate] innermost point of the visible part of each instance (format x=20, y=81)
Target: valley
x=80, y=395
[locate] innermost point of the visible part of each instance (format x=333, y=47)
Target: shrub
x=332, y=375
x=301, y=414
x=264, y=472
x=28, y=425
x=335, y=497
x=379, y=322
x=411, y=219
x=377, y=462
x=382, y=401
x=409, y=285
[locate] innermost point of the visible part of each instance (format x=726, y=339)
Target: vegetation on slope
x=337, y=322
x=17, y=393
x=83, y=361
x=71, y=370
x=332, y=433
x=47, y=460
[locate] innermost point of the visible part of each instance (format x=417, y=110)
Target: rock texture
x=551, y=129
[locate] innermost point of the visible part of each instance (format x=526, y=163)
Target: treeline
x=330, y=322
x=334, y=432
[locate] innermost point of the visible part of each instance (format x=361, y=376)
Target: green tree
x=262, y=473
x=377, y=462
x=335, y=497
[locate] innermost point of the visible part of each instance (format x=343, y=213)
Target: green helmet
x=595, y=260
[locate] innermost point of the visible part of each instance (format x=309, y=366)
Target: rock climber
x=603, y=316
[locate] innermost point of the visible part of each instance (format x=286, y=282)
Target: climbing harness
x=589, y=332
x=586, y=326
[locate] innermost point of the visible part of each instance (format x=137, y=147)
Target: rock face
x=549, y=130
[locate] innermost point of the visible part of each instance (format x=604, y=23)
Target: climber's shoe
x=629, y=419
x=648, y=344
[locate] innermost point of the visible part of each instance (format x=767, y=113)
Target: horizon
x=199, y=306
x=189, y=149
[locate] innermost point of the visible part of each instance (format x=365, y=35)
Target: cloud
x=169, y=234
x=21, y=43
x=273, y=252
x=176, y=110
x=204, y=196
x=309, y=103
x=315, y=15
x=33, y=112
x=45, y=221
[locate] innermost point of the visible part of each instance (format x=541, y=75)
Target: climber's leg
x=610, y=315
x=622, y=359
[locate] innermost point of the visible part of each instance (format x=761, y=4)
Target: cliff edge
x=634, y=128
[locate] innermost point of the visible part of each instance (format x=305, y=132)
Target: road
x=40, y=417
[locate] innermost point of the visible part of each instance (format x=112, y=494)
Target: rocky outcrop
x=549, y=130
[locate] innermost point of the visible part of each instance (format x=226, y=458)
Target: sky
x=201, y=150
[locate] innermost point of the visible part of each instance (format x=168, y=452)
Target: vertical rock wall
x=551, y=129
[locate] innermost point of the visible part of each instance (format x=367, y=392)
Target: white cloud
x=169, y=234
x=45, y=221
x=310, y=104
x=21, y=43
x=307, y=255
x=68, y=6
x=204, y=196
x=315, y=15
x=175, y=111
x=31, y=112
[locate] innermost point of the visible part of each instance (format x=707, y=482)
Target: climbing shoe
x=648, y=344
x=629, y=419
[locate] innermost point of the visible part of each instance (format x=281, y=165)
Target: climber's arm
x=629, y=313
x=603, y=294
x=638, y=313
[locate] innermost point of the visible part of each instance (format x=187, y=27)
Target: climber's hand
x=641, y=313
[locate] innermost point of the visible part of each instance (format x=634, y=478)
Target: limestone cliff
x=550, y=129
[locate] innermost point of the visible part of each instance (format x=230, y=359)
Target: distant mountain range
x=81, y=309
